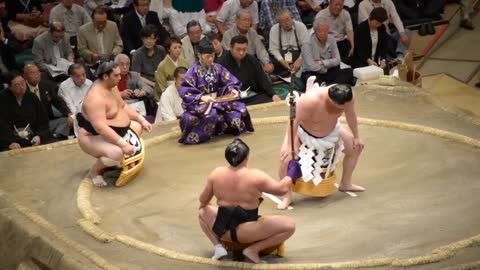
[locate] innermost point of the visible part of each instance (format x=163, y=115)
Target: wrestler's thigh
x=264, y=228
x=96, y=146
x=208, y=214
x=137, y=127
x=347, y=139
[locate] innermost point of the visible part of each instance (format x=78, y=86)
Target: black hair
x=106, y=68
x=75, y=66
x=215, y=36
x=12, y=75
x=172, y=40
x=378, y=14
x=179, y=70
x=340, y=93
x=148, y=30
x=193, y=23
x=239, y=39
x=236, y=152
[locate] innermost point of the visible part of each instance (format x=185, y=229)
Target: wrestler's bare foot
x=351, y=188
x=285, y=203
x=252, y=255
x=98, y=181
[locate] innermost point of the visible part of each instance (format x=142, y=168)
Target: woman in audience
x=164, y=73
x=371, y=37
x=149, y=56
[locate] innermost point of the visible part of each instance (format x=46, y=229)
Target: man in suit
x=100, y=39
x=191, y=40
x=60, y=119
x=52, y=46
x=7, y=57
x=135, y=20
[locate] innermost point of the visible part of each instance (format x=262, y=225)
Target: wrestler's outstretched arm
x=351, y=117
x=266, y=183
x=132, y=114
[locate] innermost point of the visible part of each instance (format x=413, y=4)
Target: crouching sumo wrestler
x=238, y=190
x=109, y=130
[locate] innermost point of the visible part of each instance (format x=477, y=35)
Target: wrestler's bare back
x=237, y=187
x=100, y=97
x=316, y=113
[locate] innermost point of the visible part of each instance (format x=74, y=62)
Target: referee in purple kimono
x=203, y=117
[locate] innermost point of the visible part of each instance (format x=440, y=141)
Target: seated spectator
x=147, y=58
x=72, y=17
x=52, y=51
x=170, y=107
x=212, y=8
x=400, y=35
x=309, y=8
x=216, y=40
x=255, y=46
x=99, y=40
x=133, y=89
x=373, y=37
x=166, y=68
x=190, y=42
x=25, y=18
x=23, y=120
x=60, y=119
x=340, y=25
x=226, y=17
x=286, y=40
x=256, y=86
x=91, y=5
x=415, y=11
x=320, y=57
x=7, y=58
x=179, y=20
x=135, y=20
x=73, y=90
x=269, y=10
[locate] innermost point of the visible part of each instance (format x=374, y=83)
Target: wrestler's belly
x=120, y=119
x=318, y=129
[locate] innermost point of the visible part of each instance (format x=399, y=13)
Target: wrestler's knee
x=115, y=153
x=137, y=127
x=287, y=223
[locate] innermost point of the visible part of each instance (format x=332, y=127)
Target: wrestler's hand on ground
x=146, y=125
x=128, y=150
x=357, y=144
x=294, y=171
x=14, y=145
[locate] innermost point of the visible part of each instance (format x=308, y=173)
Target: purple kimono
x=200, y=122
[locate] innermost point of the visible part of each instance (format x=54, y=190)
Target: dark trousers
x=344, y=48
x=257, y=99
x=333, y=75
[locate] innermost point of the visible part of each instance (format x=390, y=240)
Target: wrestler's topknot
x=236, y=152
x=340, y=93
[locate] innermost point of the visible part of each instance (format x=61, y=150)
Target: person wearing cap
x=108, y=129
x=204, y=117
x=238, y=191
x=317, y=132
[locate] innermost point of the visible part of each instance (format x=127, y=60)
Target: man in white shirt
x=226, y=17
x=170, y=107
x=74, y=89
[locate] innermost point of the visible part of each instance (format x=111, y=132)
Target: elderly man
x=59, y=116
x=317, y=131
x=243, y=20
x=108, y=128
x=74, y=89
x=320, y=57
x=72, y=16
x=256, y=87
x=170, y=107
x=340, y=27
x=205, y=116
x=237, y=189
x=53, y=48
x=23, y=120
x=400, y=35
x=269, y=10
x=286, y=40
x=226, y=17
x=133, y=88
x=190, y=42
x=135, y=20
x=99, y=40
